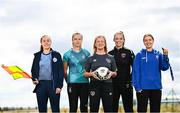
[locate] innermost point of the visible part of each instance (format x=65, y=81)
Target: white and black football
x=102, y=73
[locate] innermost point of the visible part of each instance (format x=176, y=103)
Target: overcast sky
x=23, y=22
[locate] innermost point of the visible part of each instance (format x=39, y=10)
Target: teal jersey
x=76, y=62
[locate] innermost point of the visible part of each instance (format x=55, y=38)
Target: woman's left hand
x=112, y=74
x=58, y=90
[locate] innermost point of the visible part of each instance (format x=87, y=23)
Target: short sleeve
x=88, y=65
x=113, y=64
x=65, y=57
x=87, y=52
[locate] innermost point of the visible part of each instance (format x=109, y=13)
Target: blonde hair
x=94, y=46
x=74, y=34
x=120, y=33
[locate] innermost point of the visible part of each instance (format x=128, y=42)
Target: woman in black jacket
x=47, y=75
x=122, y=82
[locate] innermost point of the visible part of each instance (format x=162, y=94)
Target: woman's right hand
x=94, y=75
x=36, y=82
x=91, y=74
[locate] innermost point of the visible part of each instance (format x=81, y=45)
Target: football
x=102, y=73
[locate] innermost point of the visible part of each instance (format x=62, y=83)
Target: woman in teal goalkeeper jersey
x=77, y=84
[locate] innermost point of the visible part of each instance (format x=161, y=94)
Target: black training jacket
x=124, y=60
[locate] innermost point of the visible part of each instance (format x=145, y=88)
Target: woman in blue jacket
x=146, y=76
x=47, y=74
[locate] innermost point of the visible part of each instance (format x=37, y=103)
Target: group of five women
x=49, y=69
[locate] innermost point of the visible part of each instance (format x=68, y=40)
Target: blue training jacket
x=146, y=72
x=57, y=69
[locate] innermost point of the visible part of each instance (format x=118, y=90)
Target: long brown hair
x=94, y=46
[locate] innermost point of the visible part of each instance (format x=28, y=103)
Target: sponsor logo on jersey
x=83, y=56
x=94, y=60
x=108, y=60
x=143, y=58
x=157, y=57
x=123, y=55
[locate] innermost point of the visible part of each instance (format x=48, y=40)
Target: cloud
x=18, y=12
x=22, y=23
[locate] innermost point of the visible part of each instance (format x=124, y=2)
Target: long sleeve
x=164, y=62
x=136, y=73
x=61, y=73
x=33, y=70
x=132, y=58
x=35, y=67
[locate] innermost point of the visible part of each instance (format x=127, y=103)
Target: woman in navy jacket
x=146, y=75
x=47, y=75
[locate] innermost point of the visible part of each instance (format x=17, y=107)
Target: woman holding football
x=100, y=87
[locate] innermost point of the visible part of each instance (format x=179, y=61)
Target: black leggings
x=101, y=90
x=76, y=90
x=126, y=92
x=155, y=100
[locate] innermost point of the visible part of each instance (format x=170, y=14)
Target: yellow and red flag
x=16, y=72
